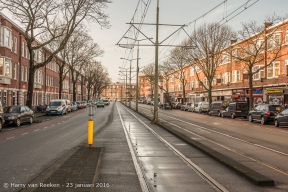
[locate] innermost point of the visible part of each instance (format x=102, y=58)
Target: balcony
x=5, y=80
x=37, y=85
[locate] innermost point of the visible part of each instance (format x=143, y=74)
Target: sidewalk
x=106, y=166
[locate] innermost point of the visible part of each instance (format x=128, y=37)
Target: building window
x=286, y=37
x=6, y=37
x=259, y=74
x=22, y=73
x=15, y=71
x=225, y=58
x=23, y=49
x=26, y=74
x=274, y=41
x=226, y=78
x=191, y=85
x=15, y=45
x=235, y=76
x=273, y=70
x=192, y=71
x=5, y=67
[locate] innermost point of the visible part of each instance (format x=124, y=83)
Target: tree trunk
x=210, y=94
x=30, y=85
x=183, y=92
x=250, y=89
x=74, y=90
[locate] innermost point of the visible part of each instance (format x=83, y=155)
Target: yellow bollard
x=90, y=132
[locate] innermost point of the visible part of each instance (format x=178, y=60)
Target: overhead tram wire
x=227, y=20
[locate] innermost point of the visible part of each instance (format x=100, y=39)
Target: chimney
x=268, y=24
x=232, y=41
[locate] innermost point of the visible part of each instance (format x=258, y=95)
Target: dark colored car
x=281, y=118
x=264, y=113
x=18, y=115
x=185, y=106
x=216, y=107
x=100, y=104
x=236, y=109
x=178, y=106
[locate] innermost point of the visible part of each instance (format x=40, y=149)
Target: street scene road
x=146, y=154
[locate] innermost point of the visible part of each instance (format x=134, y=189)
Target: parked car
x=18, y=115
x=106, y=102
x=164, y=106
x=192, y=107
x=178, y=105
x=144, y=101
x=68, y=105
x=100, y=104
x=264, y=113
x=2, y=120
x=74, y=105
x=281, y=118
x=185, y=106
x=84, y=103
x=202, y=107
x=173, y=105
x=57, y=107
x=236, y=109
x=80, y=105
x=216, y=107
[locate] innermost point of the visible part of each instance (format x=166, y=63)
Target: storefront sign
x=273, y=91
x=221, y=93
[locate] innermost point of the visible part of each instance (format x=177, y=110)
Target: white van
x=202, y=107
x=57, y=107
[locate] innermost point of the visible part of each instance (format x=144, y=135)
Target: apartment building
x=14, y=70
x=230, y=82
x=119, y=90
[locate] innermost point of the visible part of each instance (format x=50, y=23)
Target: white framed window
x=172, y=79
x=15, y=70
x=192, y=71
x=5, y=67
x=191, y=85
x=171, y=88
x=274, y=41
x=26, y=74
x=235, y=76
x=258, y=75
x=236, y=53
x=225, y=77
x=286, y=37
x=260, y=45
x=15, y=45
x=196, y=83
x=273, y=70
x=6, y=37
x=205, y=81
x=27, y=52
x=22, y=73
x=23, y=49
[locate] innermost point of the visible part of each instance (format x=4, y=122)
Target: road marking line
x=283, y=131
x=10, y=129
x=10, y=137
x=268, y=129
x=45, y=127
x=36, y=130
x=24, y=133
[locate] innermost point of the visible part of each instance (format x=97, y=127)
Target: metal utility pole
x=155, y=116
x=137, y=73
x=129, y=77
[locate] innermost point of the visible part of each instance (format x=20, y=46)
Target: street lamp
x=137, y=88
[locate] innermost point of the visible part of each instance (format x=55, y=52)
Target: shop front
x=225, y=95
x=244, y=94
x=277, y=96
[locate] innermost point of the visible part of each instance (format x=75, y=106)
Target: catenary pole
x=155, y=116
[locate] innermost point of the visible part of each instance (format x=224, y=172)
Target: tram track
x=275, y=168
x=141, y=172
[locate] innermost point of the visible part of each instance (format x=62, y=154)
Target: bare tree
x=253, y=50
x=57, y=17
x=101, y=79
x=148, y=73
x=178, y=63
x=208, y=41
x=166, y=73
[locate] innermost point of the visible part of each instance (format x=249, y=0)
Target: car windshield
x=105, y=100
x=242, y=106
x=100, y=102
x=55, y=103
x=11, y=109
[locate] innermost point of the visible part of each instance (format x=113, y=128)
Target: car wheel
x=232, y=116
x=219, y=114
x=31, y=120
x=18, y=122
x=250, y=118
x=200, y=111
x=276, y=123
x=209, y=113
x=62, y=113
x=263, y=122
x=222, y=115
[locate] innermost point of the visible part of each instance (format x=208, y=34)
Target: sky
x=170, y=12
